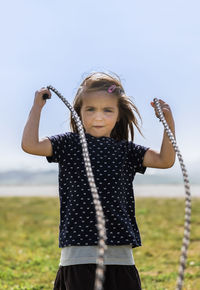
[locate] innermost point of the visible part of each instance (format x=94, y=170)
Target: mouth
x=98, y=127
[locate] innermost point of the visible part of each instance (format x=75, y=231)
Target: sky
x=152, y=45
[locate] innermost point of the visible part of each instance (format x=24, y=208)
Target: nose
x=98, y=116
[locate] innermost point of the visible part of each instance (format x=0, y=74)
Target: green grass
x=29, y=253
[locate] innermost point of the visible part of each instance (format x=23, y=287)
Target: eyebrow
x=103, y=108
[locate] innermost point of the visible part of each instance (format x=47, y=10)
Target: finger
x=45, y=92
x=43, y=89
x=46, y=95
x=161, y=101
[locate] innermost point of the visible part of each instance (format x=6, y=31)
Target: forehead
x=99, y=98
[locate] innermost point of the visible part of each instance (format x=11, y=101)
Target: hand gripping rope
x=100, y=269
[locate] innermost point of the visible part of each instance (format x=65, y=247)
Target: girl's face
x=99, y=113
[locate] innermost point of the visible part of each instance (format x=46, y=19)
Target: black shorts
x=81, y=277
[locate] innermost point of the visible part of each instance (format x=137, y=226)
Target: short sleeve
x=59, y=144
x=137, y=153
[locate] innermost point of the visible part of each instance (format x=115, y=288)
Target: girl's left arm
x=166, y=157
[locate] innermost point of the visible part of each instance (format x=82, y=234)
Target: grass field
x=29, y=253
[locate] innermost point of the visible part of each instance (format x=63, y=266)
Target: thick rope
x=100, y=269
x=99, y=278
x=186, y=237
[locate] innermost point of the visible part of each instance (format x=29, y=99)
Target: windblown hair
x=100, y=81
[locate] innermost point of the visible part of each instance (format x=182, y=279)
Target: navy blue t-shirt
x=114, y=165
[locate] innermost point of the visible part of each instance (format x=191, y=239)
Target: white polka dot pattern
x=114, y=164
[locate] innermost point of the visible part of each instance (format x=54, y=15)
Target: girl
x=108, y=116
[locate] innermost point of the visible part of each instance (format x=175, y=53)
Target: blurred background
x=152, y=45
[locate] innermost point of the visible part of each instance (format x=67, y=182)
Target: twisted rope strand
x=100, y=269
x=186, y=237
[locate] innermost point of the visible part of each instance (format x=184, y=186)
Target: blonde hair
x=98, y=81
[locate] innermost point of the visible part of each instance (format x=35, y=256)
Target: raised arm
x=166, y=157
x=30, y=140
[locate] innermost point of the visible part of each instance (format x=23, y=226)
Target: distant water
x=167, y=190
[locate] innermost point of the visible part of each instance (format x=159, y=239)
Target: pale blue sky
x=152, y=45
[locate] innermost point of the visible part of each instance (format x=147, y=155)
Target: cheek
x=112, y=117
x=86, y=118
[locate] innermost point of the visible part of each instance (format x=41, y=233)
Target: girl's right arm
x=30, y=140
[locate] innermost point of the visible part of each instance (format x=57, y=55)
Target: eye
x=108, y=110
